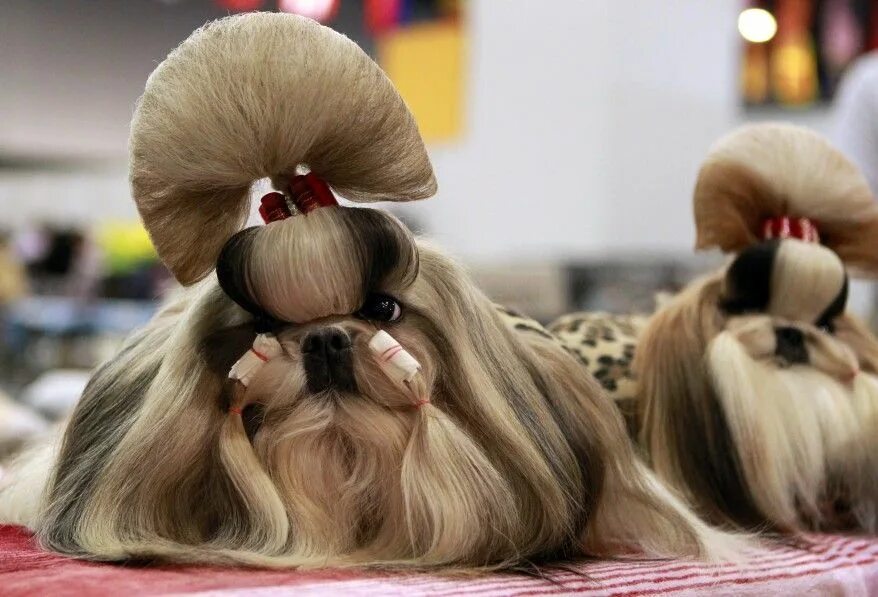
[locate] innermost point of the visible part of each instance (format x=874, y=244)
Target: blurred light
x=240, y=5
x=757, y=25
x=382, y=16
x=319, y=10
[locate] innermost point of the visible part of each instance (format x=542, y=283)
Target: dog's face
x=782, y=344
x=501, y=448
x=755, y=385
x=443, y=467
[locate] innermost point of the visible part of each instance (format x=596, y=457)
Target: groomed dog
x=384, y=411
x=758, y=392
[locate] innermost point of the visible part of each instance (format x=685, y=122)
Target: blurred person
x=855, y=133
x=856, y=116
x=17, y=423
x=68, y=265
x=13, y=282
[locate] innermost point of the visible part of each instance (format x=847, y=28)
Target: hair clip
x=274, y=207
x=786, y=227
x=265, y=347
x=307, y=192
x=396, y=362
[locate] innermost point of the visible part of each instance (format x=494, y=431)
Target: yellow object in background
x=426, y=63
x=794, y=72
x=13, y=281
x=793, y=66
x=125, y=246
x=754, y=73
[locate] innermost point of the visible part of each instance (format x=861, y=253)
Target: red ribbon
x=786, y=227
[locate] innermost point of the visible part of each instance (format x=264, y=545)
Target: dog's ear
x=148, y=462
x=683, y=429
x=221, y=348
x=114, y=396
x=860, y=338
x=623, y=504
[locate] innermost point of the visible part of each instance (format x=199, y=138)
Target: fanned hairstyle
x=763, y=171
x=261, y=97
x=495, y=451
x=754, y=383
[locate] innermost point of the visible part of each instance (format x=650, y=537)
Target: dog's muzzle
x=327, y=355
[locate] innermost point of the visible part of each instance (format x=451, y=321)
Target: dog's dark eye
x=380, y=307
x=826, y=327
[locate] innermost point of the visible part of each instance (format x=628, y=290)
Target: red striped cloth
x=830, y=565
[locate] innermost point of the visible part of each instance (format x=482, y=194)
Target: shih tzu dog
x=327, y=390
x=758, y=393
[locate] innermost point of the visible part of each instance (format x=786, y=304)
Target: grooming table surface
x=831, y=565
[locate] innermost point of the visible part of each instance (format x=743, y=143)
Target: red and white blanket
x=830, y=565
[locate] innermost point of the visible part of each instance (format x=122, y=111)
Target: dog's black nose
x=791, y=345
x=328, y=359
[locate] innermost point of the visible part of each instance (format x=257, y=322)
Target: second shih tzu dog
x=754, y=393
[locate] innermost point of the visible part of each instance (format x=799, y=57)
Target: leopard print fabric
x=603, y=342
x=522, y=323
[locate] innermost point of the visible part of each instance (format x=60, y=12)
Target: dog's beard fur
x=518, y=457
x=754, y=441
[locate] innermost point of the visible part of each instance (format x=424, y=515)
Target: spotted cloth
x=830, y=565
x=604, y=343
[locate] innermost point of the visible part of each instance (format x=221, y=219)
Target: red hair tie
x=307, y=192
x=274, y=208
x=786, y=227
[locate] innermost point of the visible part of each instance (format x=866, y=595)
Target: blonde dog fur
x=513, y=455
x=754, y=440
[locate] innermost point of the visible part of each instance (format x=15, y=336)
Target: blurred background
x=566, y=135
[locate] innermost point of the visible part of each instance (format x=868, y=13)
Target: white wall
x=587, y=121
x=529, y=176
x=673, y=92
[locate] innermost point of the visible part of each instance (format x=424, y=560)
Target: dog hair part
x=497, y=453
x=758, y=393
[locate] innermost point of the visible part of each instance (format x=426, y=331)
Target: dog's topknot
x=768, y=170
x=258, y=96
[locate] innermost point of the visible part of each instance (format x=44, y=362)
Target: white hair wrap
x=396, y=362
x=265, y=347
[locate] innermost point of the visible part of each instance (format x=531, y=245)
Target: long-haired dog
x=384, y=411
x=758, y=392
